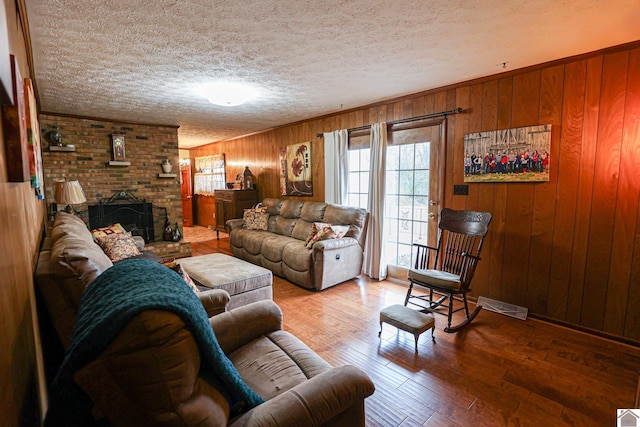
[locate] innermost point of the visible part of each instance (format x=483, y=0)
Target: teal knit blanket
x=106, y=307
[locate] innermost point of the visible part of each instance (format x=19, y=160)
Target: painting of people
x=508, y=155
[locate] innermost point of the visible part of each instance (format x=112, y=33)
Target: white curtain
x=374, y=265
x=210, y=174
x=336, y=166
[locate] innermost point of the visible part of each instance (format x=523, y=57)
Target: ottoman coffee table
x=245, y=282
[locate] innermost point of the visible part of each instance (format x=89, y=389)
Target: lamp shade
x=69, y=193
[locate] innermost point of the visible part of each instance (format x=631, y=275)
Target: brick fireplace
x=146, y=147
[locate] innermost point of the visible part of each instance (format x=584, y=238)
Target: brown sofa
x=69, y=261
x=282, y=249
x=149, y=375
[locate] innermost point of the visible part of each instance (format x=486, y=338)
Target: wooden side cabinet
x=230, y=204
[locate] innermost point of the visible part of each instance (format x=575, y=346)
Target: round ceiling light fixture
x=229, y=94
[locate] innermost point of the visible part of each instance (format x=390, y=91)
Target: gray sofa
x=281, y=248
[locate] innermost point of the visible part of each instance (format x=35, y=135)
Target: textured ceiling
x=146, y=60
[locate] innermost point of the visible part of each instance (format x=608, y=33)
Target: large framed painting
x=295, y=170
x=15, y=130
x=508, y=155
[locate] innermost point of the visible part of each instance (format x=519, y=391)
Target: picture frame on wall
x=508, y=155
x=15, y=129
x=117, y=144
x=295, y=170
x=33, y=138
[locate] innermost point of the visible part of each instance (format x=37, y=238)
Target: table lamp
x=69, y=193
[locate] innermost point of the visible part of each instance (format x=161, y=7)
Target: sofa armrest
x=215, y=301
x=233, y=223
x=237, y=327
x=314, y=402
x=331, y=244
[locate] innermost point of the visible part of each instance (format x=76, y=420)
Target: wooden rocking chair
x=448, y=269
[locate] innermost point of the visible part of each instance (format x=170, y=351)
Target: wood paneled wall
x=22, y=218
x=569, y=249
x=205, y=208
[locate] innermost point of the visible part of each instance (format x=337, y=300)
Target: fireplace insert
x=122, y=207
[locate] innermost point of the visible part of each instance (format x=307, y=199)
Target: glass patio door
x=412, y=194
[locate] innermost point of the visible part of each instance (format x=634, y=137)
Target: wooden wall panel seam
x=605, y=188
x=567, y=176
x=593, y=85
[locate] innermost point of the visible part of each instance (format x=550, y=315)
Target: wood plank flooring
x=499, y=371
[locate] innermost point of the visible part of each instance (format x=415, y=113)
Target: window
x=210, y=174
x=358, y=181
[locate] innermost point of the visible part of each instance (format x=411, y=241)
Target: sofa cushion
x=272, y=205
x=237, y=237
x=74, y=263
x=297, y=257
x=275, y=363
x=274, y=245
x=253, y=240
x=66, y=224
x=302, y=230
x=271, y=226
x=313, y=211
x=291, y=209
x=284, y=226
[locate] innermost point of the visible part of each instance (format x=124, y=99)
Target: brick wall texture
x=145, y=148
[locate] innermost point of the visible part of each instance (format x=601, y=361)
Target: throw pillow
x=324, y=234
x=119, y=246
x=327, y=232
x=106, y=231
x=315, y=228
x=182, y=273
x=340, y=230
x=256, y=218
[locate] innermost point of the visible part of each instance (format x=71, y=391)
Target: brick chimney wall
x=145, y=148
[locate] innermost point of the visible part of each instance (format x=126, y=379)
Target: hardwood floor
x=500, y=371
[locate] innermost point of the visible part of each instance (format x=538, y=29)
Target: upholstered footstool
x=407, y=319
x=245, y=282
